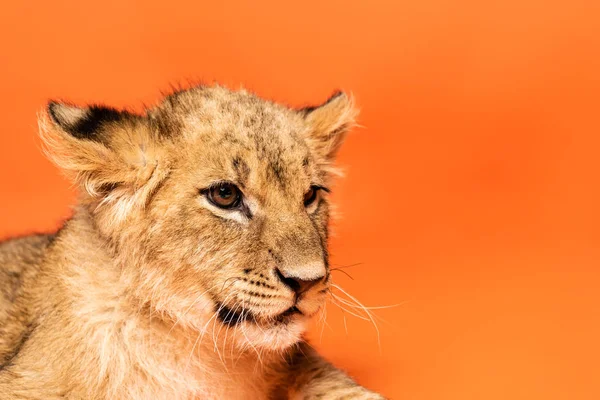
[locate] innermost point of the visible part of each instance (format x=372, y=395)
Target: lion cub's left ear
x=329, y=123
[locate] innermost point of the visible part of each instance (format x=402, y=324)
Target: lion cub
x=192, y=262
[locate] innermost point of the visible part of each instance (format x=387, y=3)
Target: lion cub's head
x=214, y=204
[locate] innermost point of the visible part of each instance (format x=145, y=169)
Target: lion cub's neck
x=116, y=348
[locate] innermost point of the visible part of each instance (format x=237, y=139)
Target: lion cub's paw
x=354, y=393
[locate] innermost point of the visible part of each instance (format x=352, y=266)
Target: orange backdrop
x=472, y=194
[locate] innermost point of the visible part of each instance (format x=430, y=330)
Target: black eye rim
x=208, y=193
x=316, y=189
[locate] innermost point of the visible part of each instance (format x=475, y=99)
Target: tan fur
x=152, y=292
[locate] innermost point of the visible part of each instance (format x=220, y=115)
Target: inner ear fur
x=329, y=123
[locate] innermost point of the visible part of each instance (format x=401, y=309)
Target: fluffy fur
x=150, y=291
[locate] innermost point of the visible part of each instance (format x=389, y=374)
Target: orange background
x=472, y=194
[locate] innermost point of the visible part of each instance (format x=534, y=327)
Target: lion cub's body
x=154, y=291
x=106, y=348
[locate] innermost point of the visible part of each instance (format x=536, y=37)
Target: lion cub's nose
x=301, y=279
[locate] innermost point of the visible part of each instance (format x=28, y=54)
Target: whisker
x=237, y=306
x=340, y=266
x=201, y=334
x=222, y=325
x=366, y=310
x=248, y=339
x=235, y=279
x=376, y=307
x=342, y=271
x=198, y=337
x=215, y=337
x=189, y=308
x=204, y=328
x=353, y=306
x=351, y=312
x=323, y=321
x=323, y=313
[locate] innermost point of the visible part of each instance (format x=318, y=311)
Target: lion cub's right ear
x=329, y=123
x=113, y=155
x=84, y=122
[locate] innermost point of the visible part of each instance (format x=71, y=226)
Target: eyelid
x=319, y=187
x=220, y=182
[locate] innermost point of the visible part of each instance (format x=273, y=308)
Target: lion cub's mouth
x=232, y=318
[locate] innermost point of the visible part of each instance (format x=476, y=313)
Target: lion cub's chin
x=274, y=336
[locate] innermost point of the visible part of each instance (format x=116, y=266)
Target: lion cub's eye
x=224, y=195
x=311, y=195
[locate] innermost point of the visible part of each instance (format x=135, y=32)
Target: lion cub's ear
x=84, y=122
x=329, y=123
x=113, y=155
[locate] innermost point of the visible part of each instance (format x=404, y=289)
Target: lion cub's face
x=215, y=203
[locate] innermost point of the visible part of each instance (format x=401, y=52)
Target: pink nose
x=298, y=285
